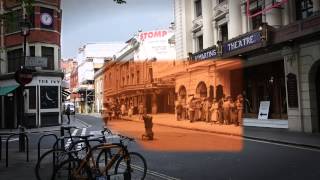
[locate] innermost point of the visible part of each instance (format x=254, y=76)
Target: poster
x=49, y=97
x=264, y=110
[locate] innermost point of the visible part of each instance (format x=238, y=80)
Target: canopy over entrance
x=4, y=90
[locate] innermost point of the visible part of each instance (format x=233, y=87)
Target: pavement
x=273, y=135
x=73, y=122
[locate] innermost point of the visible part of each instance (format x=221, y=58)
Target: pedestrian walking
x=226, y=110
x=240, y=108
x=233, y=112
x=140, y=110
x=130, y=111
x=123, y=109
x=215, y=111
x=192, y=110
x=68, y=112
x=179, y=111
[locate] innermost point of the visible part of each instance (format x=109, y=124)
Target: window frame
x=198, y=8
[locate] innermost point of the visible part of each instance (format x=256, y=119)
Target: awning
x=7, y=89
x=65, y=93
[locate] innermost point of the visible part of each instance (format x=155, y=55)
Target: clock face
x=46, y=19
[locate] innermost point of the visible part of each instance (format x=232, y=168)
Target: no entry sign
x=24, y=76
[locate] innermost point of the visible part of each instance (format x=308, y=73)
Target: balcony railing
x=298, y=29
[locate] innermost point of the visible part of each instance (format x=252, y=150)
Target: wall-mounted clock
x=46, y=19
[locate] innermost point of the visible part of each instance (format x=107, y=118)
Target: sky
x=87, y=21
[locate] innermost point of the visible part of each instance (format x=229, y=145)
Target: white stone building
x=278, y=43
x=91, y=57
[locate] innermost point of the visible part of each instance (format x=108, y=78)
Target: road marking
x=153, y=173
x=83, y=133
x=4, y=139
x=284, y=145
x=69, y=140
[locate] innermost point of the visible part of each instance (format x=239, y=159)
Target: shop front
x=42, y=102
x=264, y=78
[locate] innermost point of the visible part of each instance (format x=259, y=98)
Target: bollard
x=22, y=147
x=26, y=139
x=62, y=135
x=148, y=127
x=40, y=139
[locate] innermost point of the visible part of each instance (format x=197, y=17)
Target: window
x=198, y=8
x=32, y=97
x=12, y=24
x=48, y=52
x=255, y=7
x=200, y=42
x=127, y=79
x=138, y=75
x=150, y=75
x=304, y=9
x=32, y=18
x=15, y=58
x=132, y=78
x=224, y=32
x=32, y=51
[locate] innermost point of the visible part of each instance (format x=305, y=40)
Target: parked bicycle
x=138, y=163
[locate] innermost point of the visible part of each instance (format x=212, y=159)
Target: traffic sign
x=23, y=76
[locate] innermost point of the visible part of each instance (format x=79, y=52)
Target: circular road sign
x=23, y=76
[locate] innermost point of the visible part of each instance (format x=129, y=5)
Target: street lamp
x=24, y=25
x=25, y=30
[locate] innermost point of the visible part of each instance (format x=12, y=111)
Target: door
x=9, y=112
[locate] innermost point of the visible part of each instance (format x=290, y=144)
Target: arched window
x=201, y=89
x=182, y=92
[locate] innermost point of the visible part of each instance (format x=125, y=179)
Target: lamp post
x=24, y=25
x=25, y=30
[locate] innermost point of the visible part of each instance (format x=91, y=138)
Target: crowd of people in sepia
x=226, y=110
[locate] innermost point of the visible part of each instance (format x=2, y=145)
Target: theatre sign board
x=209, y=53
x=242, y=44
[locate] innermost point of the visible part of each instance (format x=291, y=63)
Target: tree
x=120, y=1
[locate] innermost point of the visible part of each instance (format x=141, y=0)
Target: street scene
x=170, y=89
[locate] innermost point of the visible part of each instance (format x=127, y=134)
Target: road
x=185, y=154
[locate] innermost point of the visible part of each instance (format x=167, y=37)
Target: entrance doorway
x=265, y=82
x=9, y=112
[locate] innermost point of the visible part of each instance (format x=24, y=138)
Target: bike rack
x=7, y=145
x=40, y=139
x=0, y=147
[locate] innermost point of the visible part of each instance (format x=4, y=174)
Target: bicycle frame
x=86, y=161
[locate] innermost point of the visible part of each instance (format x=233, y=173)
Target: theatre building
x=278, y=45
x=38, y=48
x=133, y=78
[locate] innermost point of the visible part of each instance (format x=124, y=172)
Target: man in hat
x=240, y=107
x=226, y=110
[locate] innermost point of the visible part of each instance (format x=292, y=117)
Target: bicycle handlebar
x=122, y=137
x=69, y=127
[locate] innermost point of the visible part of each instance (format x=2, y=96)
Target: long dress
x=214, y=111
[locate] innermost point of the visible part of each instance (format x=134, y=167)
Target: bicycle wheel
x=48, y=162
x=71, y=170
x=103, y=159
x=137, y=163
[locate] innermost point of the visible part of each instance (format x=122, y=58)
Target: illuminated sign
x=242, y=42
x=205, y=54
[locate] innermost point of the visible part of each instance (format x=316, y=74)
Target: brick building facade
x=41, y=97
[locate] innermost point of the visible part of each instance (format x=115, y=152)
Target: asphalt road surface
x=185, y=154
